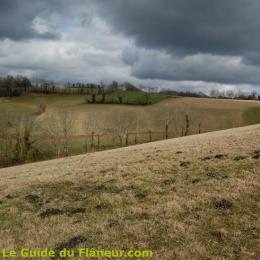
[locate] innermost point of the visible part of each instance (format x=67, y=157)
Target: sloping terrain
x=194, y=197
x=213, y=114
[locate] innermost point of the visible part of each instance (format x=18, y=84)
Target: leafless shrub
x=166, y=115
x=59, y=128
x=41, y=108
x=17, y=142
x=92, y=128
x=124, y=121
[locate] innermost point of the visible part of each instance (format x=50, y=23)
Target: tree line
x=215, y=93
x=11, y=86
x=231, y=94
x=14, y=86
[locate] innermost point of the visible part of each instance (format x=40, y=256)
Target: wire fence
x=20, y=148
x=95, y=141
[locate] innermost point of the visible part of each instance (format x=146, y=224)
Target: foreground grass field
x=193, y=197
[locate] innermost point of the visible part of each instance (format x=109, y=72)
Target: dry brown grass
x=185, y=198
x=213, y=114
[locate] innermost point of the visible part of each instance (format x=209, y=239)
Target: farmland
x=192, y=197
x=68, y=125
x=214, y=114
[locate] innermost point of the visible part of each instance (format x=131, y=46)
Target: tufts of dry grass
x=142, y=197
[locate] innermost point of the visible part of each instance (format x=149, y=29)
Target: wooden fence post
x=121, y=140
x=166, y=131
x=150, y=136
x=126, y=139
x=86, y=145
x=98, y=142
x=187, y=125
x=92, y=139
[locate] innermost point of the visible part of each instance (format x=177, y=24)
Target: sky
x=180, y=44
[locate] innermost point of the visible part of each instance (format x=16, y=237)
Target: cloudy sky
x=183, y=44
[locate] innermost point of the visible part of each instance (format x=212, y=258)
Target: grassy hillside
x=213, y=114
x=252, y=116
x=187, y=198
x=106, y=126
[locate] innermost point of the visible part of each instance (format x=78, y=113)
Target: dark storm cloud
x=209, y=68
x=202, y=26
x=174, y=40
x=229, y=27
x=186, y=28
x=17, y=16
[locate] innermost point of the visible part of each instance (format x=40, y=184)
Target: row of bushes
x=14, y=86
x=118, y=99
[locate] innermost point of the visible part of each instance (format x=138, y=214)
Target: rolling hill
x=192, y=197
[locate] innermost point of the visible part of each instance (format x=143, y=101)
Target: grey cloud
x=172, y=40
x=200, y=67
x=224, y=30
x=130, y=56
x=17, y=17
x=252, y=58
x=229, y=27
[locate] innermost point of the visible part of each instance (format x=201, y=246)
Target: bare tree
x=167, y=117
x=67, y=120
x=4, y=140
x=91, y=128
x=22, y=129
x=59, y=126
x=124, y=121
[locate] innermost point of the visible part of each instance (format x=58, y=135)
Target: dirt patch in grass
x=185, y=164
x=34, y=199
x=220, y=156
x=240, y=157
x=101, y=206
x=207, y=158
x=222, y=204
x=212, y=174
x=51, y=212
x=113, y=223
x=168, y=182
x=196, y=180
x=76, y=211
x=72, y=243
x=141, y=195
x=256, y=154
x=55, y=212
